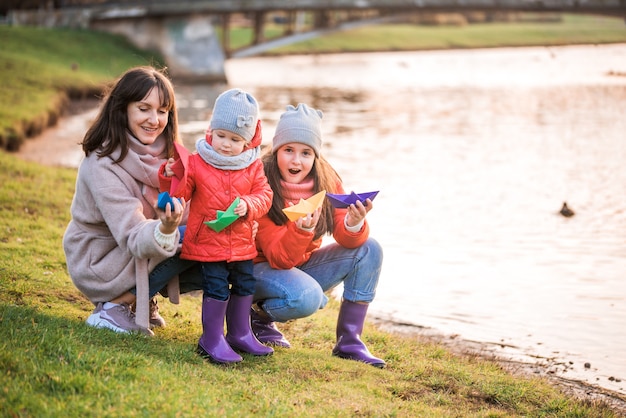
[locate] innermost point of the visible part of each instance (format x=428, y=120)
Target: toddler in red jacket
x=227, y=189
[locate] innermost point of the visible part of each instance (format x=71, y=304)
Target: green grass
x=42, y=68
x=243, y=36
x=573, y=29
x=53, y=364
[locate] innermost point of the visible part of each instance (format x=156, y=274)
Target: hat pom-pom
x=257, y=139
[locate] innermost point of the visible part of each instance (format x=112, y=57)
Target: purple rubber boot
x=266, y=332
x=239, y=333
x=349, y=329
x=212, y=344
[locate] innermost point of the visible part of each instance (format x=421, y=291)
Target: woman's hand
x=171, y=217
x=357, y=212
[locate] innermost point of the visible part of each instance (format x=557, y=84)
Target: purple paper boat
x=345, y=200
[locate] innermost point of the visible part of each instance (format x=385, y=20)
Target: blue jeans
x=299, y=292
x=189, y=275
x=218, y=274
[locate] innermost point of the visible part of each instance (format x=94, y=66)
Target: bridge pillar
x=259, y=20
x=189, y=45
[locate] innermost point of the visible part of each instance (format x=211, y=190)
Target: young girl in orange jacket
x=293, y=269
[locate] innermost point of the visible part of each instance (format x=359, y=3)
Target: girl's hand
x=242, y=208
x=171, y=217
x=357, y=212
x=168, y=167
x=255, y=229
x=309, y=221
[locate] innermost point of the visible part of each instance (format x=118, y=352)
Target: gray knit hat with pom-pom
x=236, y=111
x=302, y=124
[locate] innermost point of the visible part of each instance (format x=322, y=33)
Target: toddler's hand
x=242, y=208
x=168, y=167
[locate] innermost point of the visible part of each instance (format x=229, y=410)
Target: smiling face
x=147, y=118
x=227, y=143
x=295, y=161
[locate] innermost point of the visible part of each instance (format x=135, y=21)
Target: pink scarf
x=293, y=192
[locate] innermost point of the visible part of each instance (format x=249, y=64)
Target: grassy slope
x=573, y=29
x=42, y=68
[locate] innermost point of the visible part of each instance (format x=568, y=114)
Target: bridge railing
x=170, y=7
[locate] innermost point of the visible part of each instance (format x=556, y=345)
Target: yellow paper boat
x=305, y=207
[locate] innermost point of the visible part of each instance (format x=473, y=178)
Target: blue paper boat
x=345, y=200
x=163, y=199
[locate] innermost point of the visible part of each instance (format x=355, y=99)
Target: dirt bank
x=59, y=145
x=541, y=367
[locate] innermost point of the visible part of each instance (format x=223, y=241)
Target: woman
x=293, y=270
x=120, y=247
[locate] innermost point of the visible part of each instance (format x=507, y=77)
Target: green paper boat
x=224, y=218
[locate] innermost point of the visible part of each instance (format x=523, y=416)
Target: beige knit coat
x=109, y=244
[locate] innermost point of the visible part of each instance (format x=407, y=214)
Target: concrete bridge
x=184, y=31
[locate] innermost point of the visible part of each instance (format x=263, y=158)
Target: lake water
x=473, y=152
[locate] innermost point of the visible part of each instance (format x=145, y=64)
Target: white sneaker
x=119, y=318
x=94, y=318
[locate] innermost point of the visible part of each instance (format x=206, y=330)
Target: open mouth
x=294, y=171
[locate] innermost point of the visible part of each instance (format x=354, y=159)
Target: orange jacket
x=286, y=246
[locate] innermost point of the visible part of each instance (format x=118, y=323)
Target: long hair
x=110, y=129
x=324, y=178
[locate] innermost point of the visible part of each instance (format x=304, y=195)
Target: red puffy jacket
x=210, y=189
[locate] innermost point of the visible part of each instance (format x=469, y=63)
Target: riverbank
x=58, y=146
x=544, y=368
x=566, y=30
x=43, y=70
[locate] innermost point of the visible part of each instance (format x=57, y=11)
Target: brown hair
x=110, y=129
x=324, y=178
